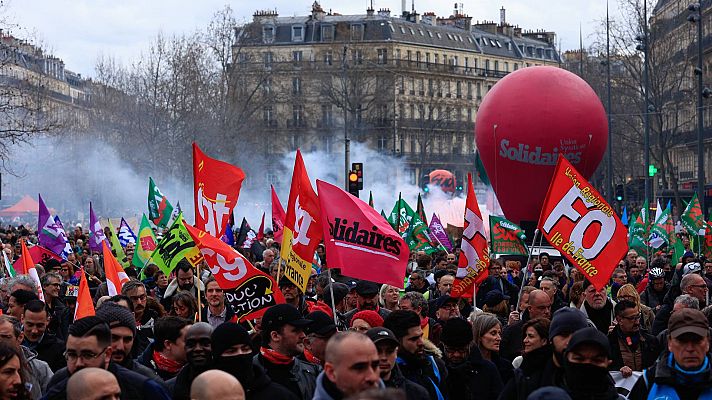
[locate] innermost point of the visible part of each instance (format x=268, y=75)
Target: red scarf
x=275, y=357
x=310, y=357
x=165, y=364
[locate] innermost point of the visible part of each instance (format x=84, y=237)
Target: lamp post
x=695, y=17
x=643, y=46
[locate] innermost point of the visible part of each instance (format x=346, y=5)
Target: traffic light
x=353, y=183
x=652, y=170
x=357, y=167
x=424, y=182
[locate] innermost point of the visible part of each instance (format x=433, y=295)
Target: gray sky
x=78, y=31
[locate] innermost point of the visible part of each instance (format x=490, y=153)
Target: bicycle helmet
x=656, y=273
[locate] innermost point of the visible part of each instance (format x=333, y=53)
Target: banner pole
x=526, y=269
x=197, y=287
x=331, y=290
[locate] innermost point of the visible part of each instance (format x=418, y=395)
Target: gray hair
x=548, y=279
x=267, y=250
x=688, y=301
x=482, y=324
x=417, y=300
x=46, y=277
x=687, y=281
x=22, y=280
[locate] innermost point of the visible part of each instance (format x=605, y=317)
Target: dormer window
x=297, y=34
x=268, y=34
x=357, y=32
x=327, y=33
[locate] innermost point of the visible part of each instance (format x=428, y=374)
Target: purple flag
x=96, y=233
x=48, y=233
x=436, y=228
x=67, y=250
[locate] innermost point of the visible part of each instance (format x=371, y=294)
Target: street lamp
x=695, y=17
x=642, y=40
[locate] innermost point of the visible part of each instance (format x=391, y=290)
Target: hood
x=172, y=287
x=432, y=349
x=28, y=353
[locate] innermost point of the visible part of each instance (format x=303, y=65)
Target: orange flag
x=115, y=275
x=29, y=266
x=474, y=257
x=85, y=305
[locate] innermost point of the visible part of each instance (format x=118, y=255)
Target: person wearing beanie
x=586, y=361
x=364, y=320
x=468, y=377
x=123, y=330
x=232, y=353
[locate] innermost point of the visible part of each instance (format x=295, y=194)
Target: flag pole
x=197, y=287
x=331, y=290
x=526, y=269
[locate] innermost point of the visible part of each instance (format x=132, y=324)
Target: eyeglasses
x=700, y=286
x=636, y=317
x=54, y=284
x=86, y=356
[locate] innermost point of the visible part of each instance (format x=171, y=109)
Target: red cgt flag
x=474, y=255
x=28, y=265
x=278, y=216
x=217, y=187
x=249, y=291
x=302, y=227
x=578, y=222
x=359, y=240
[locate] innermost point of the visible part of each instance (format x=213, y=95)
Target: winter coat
x=649, y=346
x=661, y=376
x=412, y=390
x=528, y=377
x=476, y=378
x=50, y=350
x=321, y=394
x=39, y=373
x=299, y=377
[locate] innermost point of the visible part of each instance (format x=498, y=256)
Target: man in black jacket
x=632, y=349
x=495, y=281
x=468, y=377
x=199, y=354
x=387, y=346
x=232, y=353
x=89, y=345
x=417, y=366
x=282, y=341
x=35, y=320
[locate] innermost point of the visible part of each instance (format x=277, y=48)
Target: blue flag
x=126, y=235
x=624, y=217
x=228, y=237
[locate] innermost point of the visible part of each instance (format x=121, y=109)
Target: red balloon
x=525, y=121
x=444, y=179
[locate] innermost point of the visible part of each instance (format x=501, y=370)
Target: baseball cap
x=494, y=297
x=322, y=324
x=590, y=336
x=381, y=334
x=444, y=299
x=283, y=314
x=367, y=288
x=688, y=320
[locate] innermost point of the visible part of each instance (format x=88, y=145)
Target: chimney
x=384, y=12
x=502, y=16
x=405, y=10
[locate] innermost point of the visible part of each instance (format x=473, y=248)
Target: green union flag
x=159, y=208
x=411, y=228
x=176, y=245
x=692, y=219
x=506, y=237
x=636, y=235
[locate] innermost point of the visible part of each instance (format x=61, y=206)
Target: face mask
x=238, y=366
x=586, y=378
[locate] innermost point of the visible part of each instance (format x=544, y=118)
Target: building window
x=267, y=86
x=356, y=32
x=516, y=66
x=298, y=115
x=506, y=66
x=479, y=90
x=427, y=58
x=398, y=56
x=297, y=34
x=296, y=86
x=467, y=62
x=411, y=108
x=421, y=112
x=327, y=33
x=328, y=57
x=268, y=34
x=454, y=61
x=294, y=142
x=383, y=56
x=408, y=55
x=327, y=117
x=444, y=59
x=469, y=115
x=487, y=65
x=469, y=90
x=421, y=87
x=328, y=142
x=458, y=89
x=401, y=85
x=417, y=58
x=297, y=56
x=267, y=58
x=496, y=66
x=437, y=59
x=268, y=115
x=357, y=56
x=382, y=143
x=412, y=86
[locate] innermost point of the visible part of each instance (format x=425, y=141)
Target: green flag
x=692, y=218
x=662, y=230
x=176, y=245
x=411, y=228
x=370, y=199
x=421, y=210
x=645, y=216
x=506, y=237
x=8, y=266
x=116, y=246
x=145, y=244
x=636, y=235
x=159, y=209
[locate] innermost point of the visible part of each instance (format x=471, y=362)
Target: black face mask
x=238, y=366
x=586, y=378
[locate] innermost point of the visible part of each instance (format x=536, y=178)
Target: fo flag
x=248, y=290
x=217, y=186
x=302, y=227
x=278, y=217
x=358, y=240
x=474, y=254
x=578, y=222
x=506, y=237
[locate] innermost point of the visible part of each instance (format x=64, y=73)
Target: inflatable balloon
x=444, y=179
x=525, y=122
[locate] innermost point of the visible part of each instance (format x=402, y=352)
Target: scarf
x=424, y=324
x=310, y=357
x=685, y=377
x=275, y=357
x=165, y=364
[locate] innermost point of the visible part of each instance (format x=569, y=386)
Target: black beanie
x=567, y=320
x=549, y=393
x=456, y=332
x=227, y=335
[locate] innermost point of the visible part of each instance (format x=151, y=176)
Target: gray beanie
x=116, y=315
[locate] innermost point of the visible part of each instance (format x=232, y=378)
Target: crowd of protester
x=537, y=331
